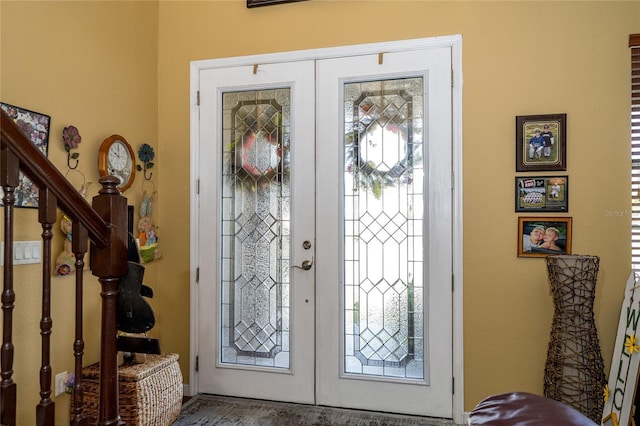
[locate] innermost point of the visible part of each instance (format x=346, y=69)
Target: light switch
x=24, y=252
x=18, y=252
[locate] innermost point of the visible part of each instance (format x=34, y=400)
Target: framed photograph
x=542, y=194
x=36, y=126
x=542, y=236
x=256, y=3
x=541, y=142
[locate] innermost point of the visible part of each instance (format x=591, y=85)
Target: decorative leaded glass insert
x=383, y=228
x=255, y=228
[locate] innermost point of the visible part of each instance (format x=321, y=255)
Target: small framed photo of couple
x=541, y=142
x=542, y=236
x=542, y=194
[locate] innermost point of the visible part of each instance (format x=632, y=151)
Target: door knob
x=306, y=265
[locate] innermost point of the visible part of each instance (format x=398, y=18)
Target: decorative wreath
x=244, y=170
x=366, y=174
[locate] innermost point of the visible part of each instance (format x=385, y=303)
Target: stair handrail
x=44, y=174
x=105, y=223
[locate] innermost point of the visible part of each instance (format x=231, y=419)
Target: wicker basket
x=150, y=393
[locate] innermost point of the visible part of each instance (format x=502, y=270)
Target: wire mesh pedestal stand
x=574, y=370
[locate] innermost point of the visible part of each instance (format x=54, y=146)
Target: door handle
x=306, y=265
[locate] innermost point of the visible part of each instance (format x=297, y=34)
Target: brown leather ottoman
x=521, y=408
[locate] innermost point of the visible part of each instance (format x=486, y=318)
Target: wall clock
x=116, y=158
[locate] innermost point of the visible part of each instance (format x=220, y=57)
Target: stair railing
x=104, y=223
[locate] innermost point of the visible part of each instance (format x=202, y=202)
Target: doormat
x=210, y=410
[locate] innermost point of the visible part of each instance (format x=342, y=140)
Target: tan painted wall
x=92, y=65
x=123, y=67
x=519, y=58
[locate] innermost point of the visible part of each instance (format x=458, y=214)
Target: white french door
x=384, y=232
x=324, y=231
x=256, y=333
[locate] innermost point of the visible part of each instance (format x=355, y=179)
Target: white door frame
x=455, y=43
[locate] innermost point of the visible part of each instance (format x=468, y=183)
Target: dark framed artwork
x=542, y=194
x=36, y=126
x=542, y=236
x=257, y=3
x=541, y=142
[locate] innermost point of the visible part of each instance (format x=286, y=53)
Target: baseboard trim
x=187, y=390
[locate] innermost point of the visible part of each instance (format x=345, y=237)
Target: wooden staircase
x=104, y=223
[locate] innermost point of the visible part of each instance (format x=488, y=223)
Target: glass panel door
x=384, y=241
x=256, y=337
x=383, y=222
x=325, y=232
x=255, y=228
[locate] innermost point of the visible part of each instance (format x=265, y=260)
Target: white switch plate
x=24, y=252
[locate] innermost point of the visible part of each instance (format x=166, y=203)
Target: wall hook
x=72, y=157
x=146, y=155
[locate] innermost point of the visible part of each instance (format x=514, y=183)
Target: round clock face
x=119, y=157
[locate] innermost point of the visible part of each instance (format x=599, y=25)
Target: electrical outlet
x=61, y=378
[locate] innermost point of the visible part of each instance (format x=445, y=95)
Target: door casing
x=455, y=43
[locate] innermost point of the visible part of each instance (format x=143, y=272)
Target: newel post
x=109, y=264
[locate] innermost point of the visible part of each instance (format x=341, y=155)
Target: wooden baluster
x=45, y=410
x=9, y=165
x=79, y=238
x=109, y=265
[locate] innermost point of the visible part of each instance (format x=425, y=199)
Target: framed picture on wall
x=36, y=126
x=542, y=194
x=542, y=236
x=256, y=3
x=541, y=142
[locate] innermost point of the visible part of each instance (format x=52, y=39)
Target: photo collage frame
x=541, y=146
